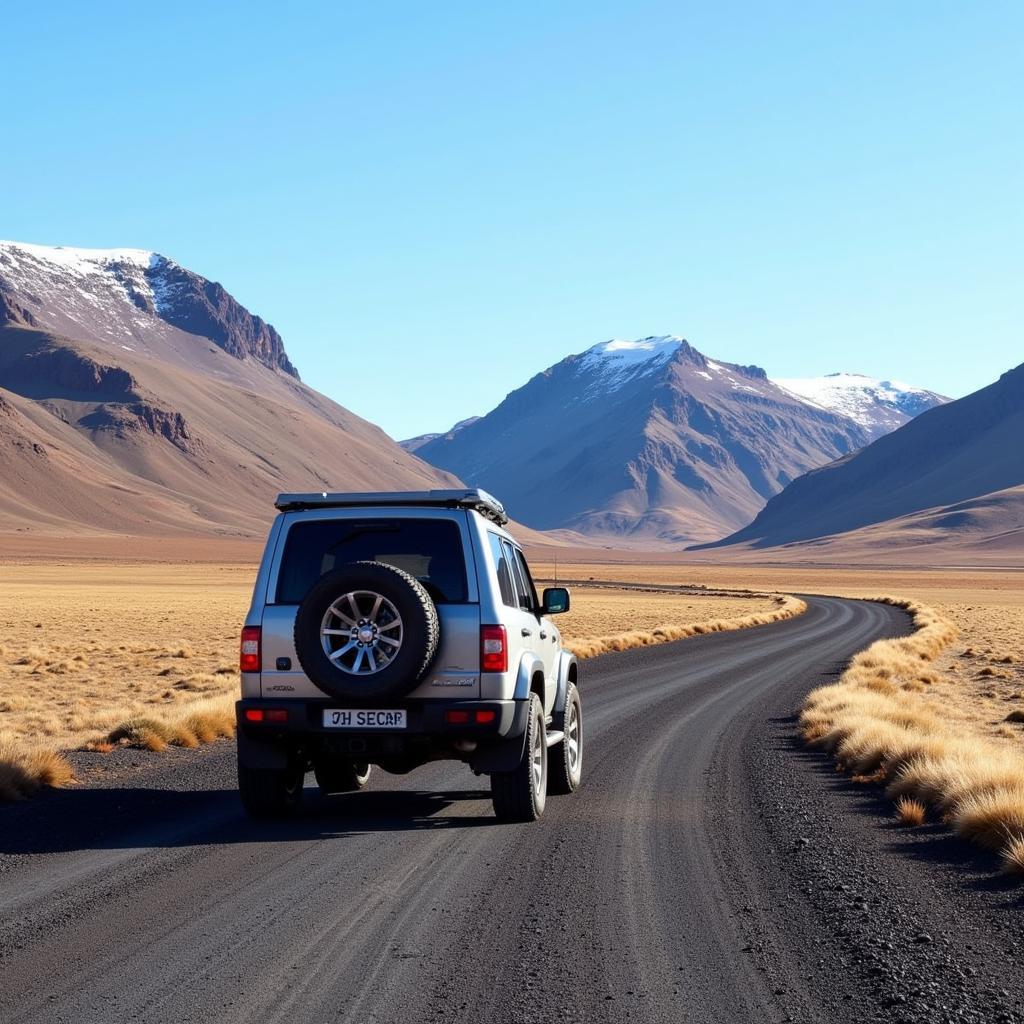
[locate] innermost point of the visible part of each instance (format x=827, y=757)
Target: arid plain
x=97, y=652
x=90, y=645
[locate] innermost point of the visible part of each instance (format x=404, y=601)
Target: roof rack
x=480, y=501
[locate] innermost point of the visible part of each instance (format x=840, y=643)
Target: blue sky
x=432, y=202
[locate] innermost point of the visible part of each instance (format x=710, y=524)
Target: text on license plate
x=363, y=718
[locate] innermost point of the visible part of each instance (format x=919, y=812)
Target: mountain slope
x=879, y=406
x=644, y=442
x=412, y=444
x=955, y=470
x=136, y=424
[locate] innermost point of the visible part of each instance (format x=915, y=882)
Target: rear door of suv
x=547, y=636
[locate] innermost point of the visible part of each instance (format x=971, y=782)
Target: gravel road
x=708, y=870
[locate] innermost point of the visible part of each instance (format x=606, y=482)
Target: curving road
x=667, y=889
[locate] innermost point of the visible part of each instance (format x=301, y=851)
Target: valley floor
x=89, y=644
x=978, y=681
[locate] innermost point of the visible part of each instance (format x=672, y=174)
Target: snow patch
x=871, y=402
x=614, y=363
x=80, y=261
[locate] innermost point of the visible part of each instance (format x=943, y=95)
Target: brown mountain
x=137, y=397
x=644, y=442
x=954, y=476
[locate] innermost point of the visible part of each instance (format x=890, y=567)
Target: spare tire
x=366, y=632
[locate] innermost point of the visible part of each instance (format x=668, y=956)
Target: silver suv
x=397, y=629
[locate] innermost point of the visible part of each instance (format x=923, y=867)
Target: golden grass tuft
x=910, y=812
x=24, y=769
x=786, y=607
x=192, y=724
x=1013, y=855
x=871, y=725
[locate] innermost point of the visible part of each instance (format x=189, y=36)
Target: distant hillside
x=414, y=444
x=954, y=474
x=879, y=406
x=137, y=397
x=644, y=442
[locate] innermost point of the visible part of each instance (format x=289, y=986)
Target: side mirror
x=556, y=600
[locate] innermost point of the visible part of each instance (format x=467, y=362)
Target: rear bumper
x=424, y=720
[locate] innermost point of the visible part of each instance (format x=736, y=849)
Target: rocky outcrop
x=125, y=420
x=203, y=307
x=127, y=297
x=12, y=314
x=66, y=373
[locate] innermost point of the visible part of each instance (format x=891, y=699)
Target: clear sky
x=432, y=202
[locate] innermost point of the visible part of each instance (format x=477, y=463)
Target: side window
x=521, y=581
x=531, y=590
x=504, y=571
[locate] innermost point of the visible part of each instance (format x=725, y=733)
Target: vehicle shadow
x=61, y=821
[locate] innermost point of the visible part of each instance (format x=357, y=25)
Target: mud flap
x=503, y=756
x=260, y=756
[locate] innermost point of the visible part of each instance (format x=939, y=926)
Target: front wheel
x=567, y=756
x=519, y=795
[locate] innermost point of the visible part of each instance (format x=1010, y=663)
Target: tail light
x=250, y=656
x=493, y=649
x=266, y=714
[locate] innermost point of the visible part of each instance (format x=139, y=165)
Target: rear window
x=429, y=549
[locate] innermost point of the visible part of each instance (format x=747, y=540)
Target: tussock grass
x=871, y=721
x=785, y=607
x=1013, y=856
x=189, y=725
x=24, y=768
x=910, y=811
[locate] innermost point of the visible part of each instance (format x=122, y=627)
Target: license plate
x=363, y=718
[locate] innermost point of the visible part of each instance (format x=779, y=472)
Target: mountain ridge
x=116, y=419
x=108, y=293
x=965, y=453
x=643, y=441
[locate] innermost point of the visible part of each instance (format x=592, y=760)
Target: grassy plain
x=94, y=648
x=97, y=652
x=979, y=680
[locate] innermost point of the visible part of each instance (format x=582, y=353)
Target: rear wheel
x=567, y=756
x=519, y=795
x=270, y=793
x=341, y=776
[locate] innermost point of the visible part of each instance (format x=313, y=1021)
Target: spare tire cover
x=366, y=632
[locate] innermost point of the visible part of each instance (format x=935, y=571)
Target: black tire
x=341, y=776
x=420, y=633
x=270, y=793
x=565, y=769
x=519, y=795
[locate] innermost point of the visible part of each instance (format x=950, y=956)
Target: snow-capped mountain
x=137, y=397
x=879, y=406
x=640, y=441
x=139, y=299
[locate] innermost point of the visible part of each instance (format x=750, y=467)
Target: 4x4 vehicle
x=398, y=629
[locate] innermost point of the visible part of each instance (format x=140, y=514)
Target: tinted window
x=522, y=585
x=429, y=549
x=508, y=594
x=531, y=590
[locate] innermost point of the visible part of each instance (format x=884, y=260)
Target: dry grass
x=875, y=720
x=95, y=656
x=910, y=812
x=681, y=616
x=25, y=768
x=88, y=647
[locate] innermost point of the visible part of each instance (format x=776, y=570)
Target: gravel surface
x=708, y=870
